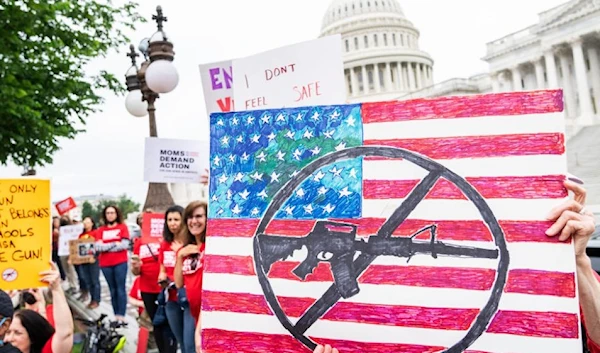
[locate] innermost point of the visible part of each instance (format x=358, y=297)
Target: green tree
x=45, y=86
x=123, y=202
x=87, y=210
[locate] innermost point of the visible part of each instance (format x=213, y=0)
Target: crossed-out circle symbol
x=362, y=262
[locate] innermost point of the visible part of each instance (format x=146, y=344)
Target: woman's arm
x=62, y=341
x=136, y=302
x=162, y=275
x=198, y=336
x=178, y=274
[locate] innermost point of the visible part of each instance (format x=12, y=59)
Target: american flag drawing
x=509, y=147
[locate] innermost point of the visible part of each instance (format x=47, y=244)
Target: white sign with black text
x=174, y=160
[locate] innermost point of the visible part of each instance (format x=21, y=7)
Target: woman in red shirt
x=190, y=258
x=112, y=243
x=90, y=273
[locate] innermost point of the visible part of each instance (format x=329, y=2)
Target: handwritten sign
x=82, y=251
x=308, y=73
x=66, y=234
x=174, y=161
x=152, y=227
x=25, y=232
x=65, y=206
x=217, y=84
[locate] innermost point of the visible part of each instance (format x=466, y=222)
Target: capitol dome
x=381, y=48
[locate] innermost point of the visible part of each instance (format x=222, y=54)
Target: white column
x=431, y=75
x=411, y=76
x=595, y=74
x=400, y=77
x=583, y=88
x=354, y=82
x=365, y=79
x=419, y=76
x=516, y=75
x=388, y=78
x=376, y=80
x=539, y=74
x=495, y=83
x=570, y=103
x=551, y=69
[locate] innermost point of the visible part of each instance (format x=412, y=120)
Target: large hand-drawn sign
x=413, y=226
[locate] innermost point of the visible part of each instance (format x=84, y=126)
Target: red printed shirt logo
x=192, y=264
x=169, y=258
x=147, y=250
x=110, y=235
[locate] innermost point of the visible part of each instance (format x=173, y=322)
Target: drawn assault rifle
x=336, y=243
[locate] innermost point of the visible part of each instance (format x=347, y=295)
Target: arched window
x=394, y=39
x=347, y=46
x=385, y=43
x=355, y=43
x=366, y=41
x=402, y=39
x=375, y=40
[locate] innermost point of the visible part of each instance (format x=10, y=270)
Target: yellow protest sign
x=25, y=232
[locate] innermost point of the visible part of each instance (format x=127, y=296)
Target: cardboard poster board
x=25, y=228
x=405, y=226
x=82, y=251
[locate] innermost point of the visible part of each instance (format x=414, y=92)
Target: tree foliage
x=45, y=88
x=124, y=203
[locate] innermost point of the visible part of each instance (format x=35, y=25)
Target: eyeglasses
x=197, y=217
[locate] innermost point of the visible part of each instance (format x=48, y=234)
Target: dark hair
x=38, y=328
x=93, y=223
x=119, y=219
x=189, y=238
x=65, y=221
x=168, y=236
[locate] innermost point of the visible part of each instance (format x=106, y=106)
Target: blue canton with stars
x=255, y=153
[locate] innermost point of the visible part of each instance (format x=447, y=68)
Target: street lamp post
x=155, y=75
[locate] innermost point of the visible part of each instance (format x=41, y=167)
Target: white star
x=297, y=154
x=220, y=211
x=262, y=156
x=315, y=151
x=300, y=193
x=341, y=146
x=328, y=208
x=353, y=173
x=271, y=136
x=250, y=120
x=245, y=157
x=215, y=198
x=255, y=211
x=240, y=139
x=236, y=210
x=255, y=138
x=345, y=192
x=239, y=177
x=280, y=155
x=217, y=161
x=290, y=210
x=308, y=134
x=290, y=135
x=280, y=117
x=223, y=179
x=308, y=209
x=235, y=121
x=329, y=134
x=232, y=158
x=323, y=190
x=294, y=173
x=350, y=121
x=275, y=177
x=229, y=195
x=225, y=140
x=315, y=116
x=263, y=194
x=299, y=117
x=244, y=194
x=336, y=172
x=319, y=176
x=335, y=115
x=220, y=122
x=265, y=119
x=257, y=176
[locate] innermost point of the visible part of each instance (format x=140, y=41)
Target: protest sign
x=66, y=234
x=308, y=73
x=217, y=84
x=65, y=205
x=25, y=232
x=152, y=227
x=174, y=161
x=82, y=251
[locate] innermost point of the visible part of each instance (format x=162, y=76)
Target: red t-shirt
x=167, y=258
x=192, y=279
x=88, y=235
x=48, y=346
x=135, y=292
x=112, y=235
x=150, y=267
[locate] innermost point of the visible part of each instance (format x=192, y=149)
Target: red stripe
x=514, y=103
x=537, y=324
x=538, y=187
x=515, y=231
x=519, y=281
x=479, y=146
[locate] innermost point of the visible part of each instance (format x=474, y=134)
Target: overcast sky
x=108, y=158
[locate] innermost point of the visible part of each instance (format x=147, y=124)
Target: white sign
x=66, y=234
x=217, y=84
x=174, y=161
x=308, y=73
